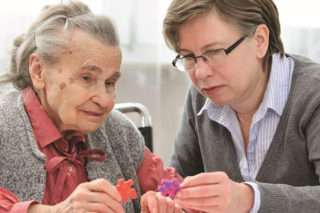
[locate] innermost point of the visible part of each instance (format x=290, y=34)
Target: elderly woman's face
x=79, y=91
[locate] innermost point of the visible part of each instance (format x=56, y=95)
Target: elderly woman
x=61, y=144
x=249, y=137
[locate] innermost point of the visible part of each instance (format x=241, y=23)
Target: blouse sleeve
x=9, y=203
x=151, y=172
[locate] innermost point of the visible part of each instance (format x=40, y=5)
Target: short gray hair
x=46, y=36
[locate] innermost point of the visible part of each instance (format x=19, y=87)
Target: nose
x=203, y=70
x=103, y=98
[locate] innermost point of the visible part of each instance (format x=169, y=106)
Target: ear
x=36, y=71
x=261, y=37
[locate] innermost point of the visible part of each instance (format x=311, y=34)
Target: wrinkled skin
x=78, y=92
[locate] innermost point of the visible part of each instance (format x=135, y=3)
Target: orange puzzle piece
x=125, y=190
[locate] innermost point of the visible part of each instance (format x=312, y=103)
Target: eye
x=86, y=78
x=215, y=57
x=214, y=53
x=188, y=58
x=111, y=84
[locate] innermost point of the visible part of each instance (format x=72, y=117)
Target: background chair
x=145, y=118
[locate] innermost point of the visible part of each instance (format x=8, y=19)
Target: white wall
x=300, y=27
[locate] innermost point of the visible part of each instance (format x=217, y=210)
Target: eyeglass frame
x=204, y=59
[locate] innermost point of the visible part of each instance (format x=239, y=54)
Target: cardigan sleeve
x=186, y=157
x=306, y=132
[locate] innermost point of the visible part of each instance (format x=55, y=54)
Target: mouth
x=95, y=114
x=208, y=91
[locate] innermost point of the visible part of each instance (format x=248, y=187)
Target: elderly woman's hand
x=154, y=202
x=96, y=196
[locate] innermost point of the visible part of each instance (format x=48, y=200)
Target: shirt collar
x=43, y=127
x=278, y=87
x=277, y=90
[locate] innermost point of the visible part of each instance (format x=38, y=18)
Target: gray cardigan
x=22, y=164
x=289, y=176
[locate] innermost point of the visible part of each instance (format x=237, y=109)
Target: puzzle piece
x=125, y=190
x=169, y=187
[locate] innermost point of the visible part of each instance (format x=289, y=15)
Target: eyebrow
x=205, y=47
x=116, y=75
x=95, y=69
x=92, y=68
x=212, y=44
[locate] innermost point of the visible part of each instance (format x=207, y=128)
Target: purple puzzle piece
x=169, y=187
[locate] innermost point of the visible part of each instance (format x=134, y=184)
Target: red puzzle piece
x=125, y=190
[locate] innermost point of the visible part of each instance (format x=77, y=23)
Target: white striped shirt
x=264, y=121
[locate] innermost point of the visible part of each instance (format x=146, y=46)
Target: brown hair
x=47, y=37
x=245, y=14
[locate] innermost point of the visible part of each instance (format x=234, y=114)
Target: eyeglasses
x=211, y=57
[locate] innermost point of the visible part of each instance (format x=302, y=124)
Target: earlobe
x=36, y=71
x=262, y=40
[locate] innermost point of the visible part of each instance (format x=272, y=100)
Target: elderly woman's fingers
x=162, y=204
x=153, y=202
x=102, y=185
x=167, y=205
x=95, y=196
x=149, y=202
x=89, y=207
